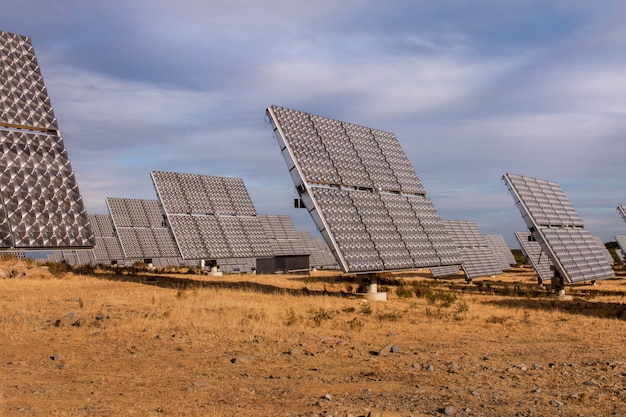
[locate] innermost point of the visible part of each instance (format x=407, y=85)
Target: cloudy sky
x=472, y=90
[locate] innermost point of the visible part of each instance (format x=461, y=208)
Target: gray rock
x=395, y=349
x=449, y=410
x=556, y=403
x=453, y=368
x=328, y=397
x=241, y=359
x=430, y=367
x=592, y=383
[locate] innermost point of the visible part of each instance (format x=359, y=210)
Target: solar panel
x=77, y=257
x=444, y=271
x=140, y=227
x=211, y=217
x=237, y=265
x=42, y=207
x=282, y=235
x=320, y=255
x=362, y=193
x=501, y=250
x=478, y=258
x=605, y=251
x=534, y=253
x=621, y=241
x=554, y=223
x=108, y=247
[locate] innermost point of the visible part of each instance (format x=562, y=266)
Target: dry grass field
x=157, y=344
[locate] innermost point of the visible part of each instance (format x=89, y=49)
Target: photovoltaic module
x=211, y=217
x=41, y=207
x=362, y=193
x=556, y=226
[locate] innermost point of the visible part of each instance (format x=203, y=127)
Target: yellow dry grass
x=181, y=344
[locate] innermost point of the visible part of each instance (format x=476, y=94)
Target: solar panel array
x=42, y=207
x=362, y=194
x=478, y=258
x=501, y=250
x=211, y=217
x=557, y=227
x=622, y=211
x=140, y=228
x=320, y=255
x=108, y=247
x=536, y=256
x=282, y=235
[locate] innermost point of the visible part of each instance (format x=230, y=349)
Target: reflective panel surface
x=211, y=217
x=556, y=226
x=362, y=194
x=478, y=258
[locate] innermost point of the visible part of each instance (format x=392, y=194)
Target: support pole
x=369, y=288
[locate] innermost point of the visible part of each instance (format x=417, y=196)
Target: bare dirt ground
x=155, y=344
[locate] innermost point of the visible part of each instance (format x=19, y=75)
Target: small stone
x=592, y=383
x=241, y=359
x=395, y=349
x=449, y=410
x=522, y=367
x=537, y=367
x=556, y=403
x=99, y=316
x=453, y=368
x=430, y=367
x=79, y=322
x=328, y=397
x=385, y=350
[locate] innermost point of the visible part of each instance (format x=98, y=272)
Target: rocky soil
x=189, y=345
